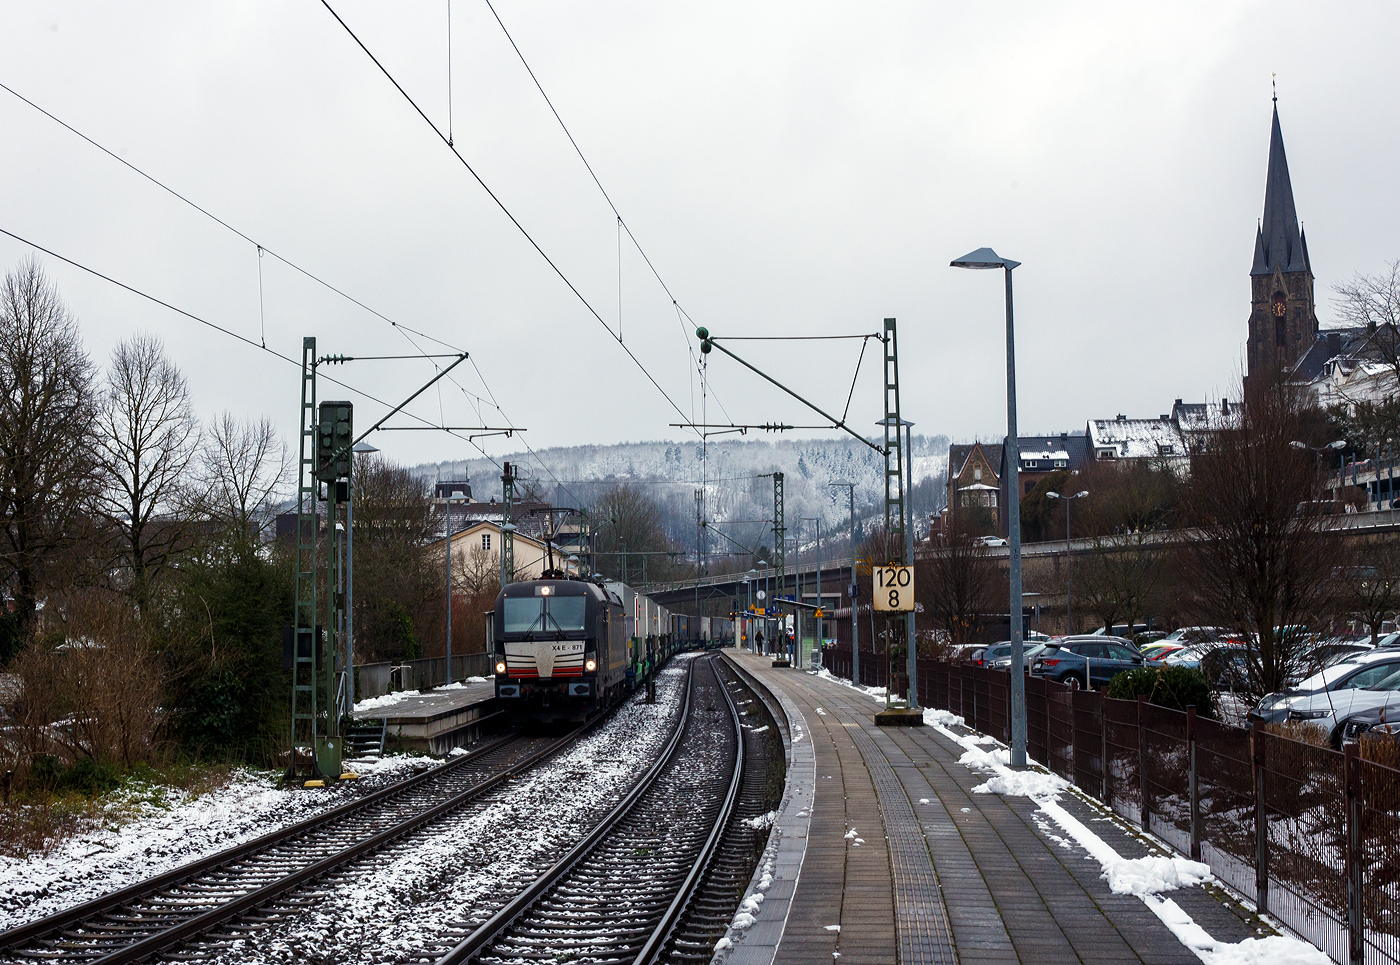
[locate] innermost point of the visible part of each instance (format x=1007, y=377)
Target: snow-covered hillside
x=731, y=472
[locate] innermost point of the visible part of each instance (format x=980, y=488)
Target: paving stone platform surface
x=937, y=873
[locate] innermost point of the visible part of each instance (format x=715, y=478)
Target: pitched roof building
x=1284, y=333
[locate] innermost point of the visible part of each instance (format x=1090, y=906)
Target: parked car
x=1120, y=630
x=1187, y=636
x=1088, y=659
x=1150, y=636
x=1373, y=688
x=965, y=652
x=1376, y=722
x=1002, y=661
x=990, y=541
x=1158, y=650
x=1364, y=672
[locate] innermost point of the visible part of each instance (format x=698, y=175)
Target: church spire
x=1279, y=244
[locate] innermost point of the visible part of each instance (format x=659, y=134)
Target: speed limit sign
x=894, y=589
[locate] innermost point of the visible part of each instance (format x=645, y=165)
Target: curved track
x=141, y=920
x=621, y=892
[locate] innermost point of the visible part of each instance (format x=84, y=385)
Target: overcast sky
x=796, y=168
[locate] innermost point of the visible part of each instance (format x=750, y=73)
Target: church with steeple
x=1283, y=317
x=1339, y=366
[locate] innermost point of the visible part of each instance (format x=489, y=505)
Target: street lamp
x=855, y=584
x=1069, y=585
x=762, y=598
x=363, y=448
x=987, y=258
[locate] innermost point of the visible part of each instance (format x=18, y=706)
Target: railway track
x=663, y=873
x=146, y=918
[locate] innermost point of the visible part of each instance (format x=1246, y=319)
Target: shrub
x=1174, y=687
x=87, y=777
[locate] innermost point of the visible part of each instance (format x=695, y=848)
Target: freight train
x=566, y=649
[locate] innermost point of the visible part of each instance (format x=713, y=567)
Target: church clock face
x=1280, y=308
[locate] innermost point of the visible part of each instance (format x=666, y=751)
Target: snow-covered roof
x=1053, y=454
x=1136, y=438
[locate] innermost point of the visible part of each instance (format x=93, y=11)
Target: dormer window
x=1061, y=463
x=1029, y=463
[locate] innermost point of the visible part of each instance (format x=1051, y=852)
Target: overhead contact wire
x=504, y=210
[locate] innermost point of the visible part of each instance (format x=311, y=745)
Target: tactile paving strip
x=921, y=919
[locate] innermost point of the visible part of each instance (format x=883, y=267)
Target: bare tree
x=627, y=524
x=1257, y=560
x=960, y=585
x=1370, y=591
x=147, y=440
x=1122, y=572
x=399, y=593
x=46, y=410
x=1372, y=301
x=245, y=466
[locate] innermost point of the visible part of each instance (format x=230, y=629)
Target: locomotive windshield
x=544, y=614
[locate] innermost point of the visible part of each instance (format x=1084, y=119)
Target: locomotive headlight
x=500, y=666
x=590, y=665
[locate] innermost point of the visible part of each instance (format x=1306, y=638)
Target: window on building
x=977, y=474
x=1061, y=463
x=486, y=541
x=1030, y=463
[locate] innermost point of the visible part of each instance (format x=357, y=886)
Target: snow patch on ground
x=760, y=822
x=874, y=693
x=1273, y=950
x=383, y=700
x=1144, y=877
x=180, y=828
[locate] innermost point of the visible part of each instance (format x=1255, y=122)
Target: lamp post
x=1069, y=585
x=763, y=598
x=362, y=448
x=855, y=584
x=987, y=258
x=797, y=649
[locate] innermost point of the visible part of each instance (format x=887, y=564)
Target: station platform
x=437, y=720
x=882, y=853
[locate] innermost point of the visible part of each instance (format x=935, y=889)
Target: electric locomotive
x=561, y=649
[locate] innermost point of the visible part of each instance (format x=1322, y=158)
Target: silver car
x=1370, y=682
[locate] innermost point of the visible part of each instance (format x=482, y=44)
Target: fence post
x=1103, y=750
x=1142, y=758
x=1193, y=787
x=1356, y=920
x=1261, y=821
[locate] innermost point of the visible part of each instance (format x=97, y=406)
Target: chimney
x=1064, y=437
x=1178, y=402
x=1164, y=417
x=1334, y=342
x=1122, y=417
x=1224, y=406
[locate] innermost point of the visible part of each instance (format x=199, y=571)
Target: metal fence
x=1309, y=834
x=376, y=679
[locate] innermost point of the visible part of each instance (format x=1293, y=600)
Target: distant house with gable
x=974, y=480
